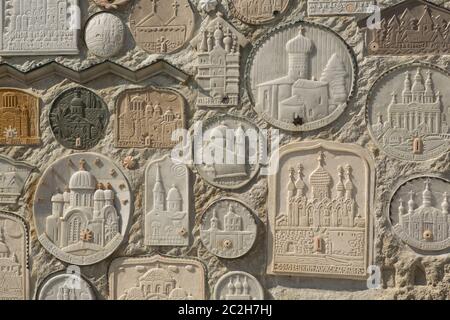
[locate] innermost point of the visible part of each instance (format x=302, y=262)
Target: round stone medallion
x=82, y=208
x=238, y=285
x=228, y=228
x=300, y=76
x=104, y=35
x=408, y=112
x=66, y=287
x=257, y=11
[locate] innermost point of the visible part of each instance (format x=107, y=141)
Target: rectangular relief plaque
x=339, y=7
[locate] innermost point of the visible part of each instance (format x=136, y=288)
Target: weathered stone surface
x=338, y=7
x=238, y=285
x=66, y=287
x=13, y=177
x=258, y=12
x=104, y=35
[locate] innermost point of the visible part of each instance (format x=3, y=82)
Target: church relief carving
x=258, y=11
x=13, y=176
x=237, y=285
x=65, y=287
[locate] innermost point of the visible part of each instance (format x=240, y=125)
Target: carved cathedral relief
x=167, y=203
x=339, y=7
x=147, y=118
x=218, y=63
x=32, y=27
x=408, y=112
x=413, y=27
x=66, y=287
x=81, y=208
x=162, y=26
x=19, y=118
x=419, y=212
x=258, y=11
x=238, y=285
x=319, y=209
x=156, y=278
x=13, y=257
x=13, y=176
x=309, y=80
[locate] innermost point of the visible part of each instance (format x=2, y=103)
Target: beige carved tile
x=257, y=11
x=162, y=26
x=339, y=7
x=146, y=118
x=19, y=118
x=13, y=177
x=156, y=278
x=238, y=285
x=320, y=204
x=13, y=257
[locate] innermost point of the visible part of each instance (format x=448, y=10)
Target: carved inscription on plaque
x=309, y=78
x=162, y=26
x=19, y=118
x=258, y=11
x=408, y=112
x=13, y=257
x=320, y=202
x=228, y=229
x=13, y=176
x=78, y=118
x=31, y=27
x=81, y=208
x=218, y=64
x=334, y=7
x=408, y=28
x=238, y=285
x=156, y=278
x=104, y=35
x=66, y=287
x=167, y=203
x=419, y=212
x=147, y=118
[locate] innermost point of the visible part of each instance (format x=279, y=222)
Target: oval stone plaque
x=257, y=11
x=419, y=212
x=78, y=118
x=104, y=35
x=238, y=285
x=300, y=76
x=82, y=208
x=66, y=287
x=408, y=112
x=228, y=229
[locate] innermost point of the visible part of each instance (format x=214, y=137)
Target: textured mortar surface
x=401, y=266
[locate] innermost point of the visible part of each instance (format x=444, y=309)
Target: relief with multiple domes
x=238, y=285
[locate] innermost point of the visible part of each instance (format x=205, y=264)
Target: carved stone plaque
x=339, y=7
x=309, y=80
x=408, y=112
x=218, y=48
x=104, y=35
x=167, y=203
x=258, y=11
x=229, y=154
x=319, y=210
x=419, y=212
x=413, y=27
x=162, y=26
x=13, y=257
x=111, y=4
x=45, y=27
x=66, y=287
x=147, y=118
x=13, y=176
x=82, y=208
x=156, y=278
x=228, y=228
x=78, y=118
x=19, y=118
x=238, y=285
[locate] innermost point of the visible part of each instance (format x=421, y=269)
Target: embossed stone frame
x=314, y=124
x=148, y=259
x=375, y=86
x=254, y=216
x=276, y=15
x=357, y=151
x=26, y=248
x=15, y=164
x=37, y=115
x=122, y=95
x=421, y=247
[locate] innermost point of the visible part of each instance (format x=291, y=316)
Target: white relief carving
x=104, y=35
x=218, y=64
x=319, y=212
x=167, y=203
x=339, y=7
x=208, y=5
x=309, y=80
x=156, y=278
x=238, y=285
x=84, y=223
x=36, y=27
x=228, y=229
x=13, y=176
x=258, y=11
x=59, y=287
